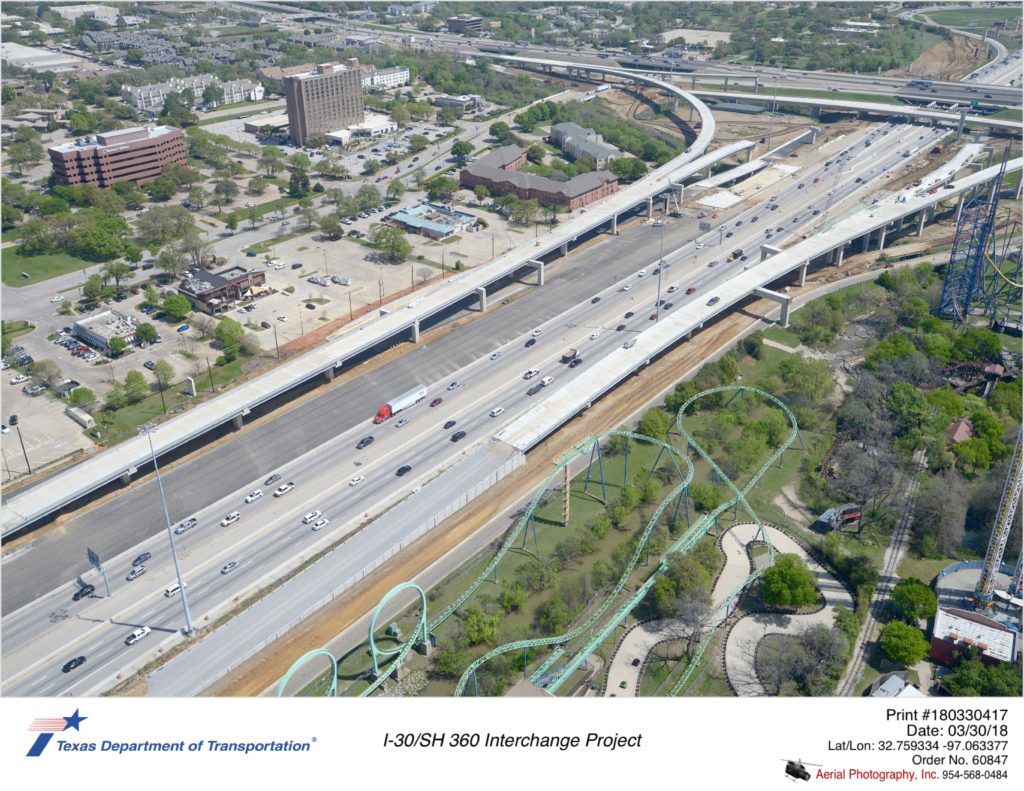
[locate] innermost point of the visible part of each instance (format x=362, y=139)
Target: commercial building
x=431, y=219
x=576, y=142
x=372, y=126
x=462, y=103
x=36, y=59
x=99, y=330
x=956, y=631
x=150, y=98
x=216, y=292
x=278, y=73
x=138, y=154
x=323, y=100
x=499, y=172
x=465, y=23
x=103, y=13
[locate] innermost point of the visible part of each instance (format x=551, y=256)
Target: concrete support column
x=920, y=224
x=615, y=225
x=564, y=249
x=725, y=84
x=784, y=318
x=680, y=196
x=750, y=153
x=960, y=125
x=482, y=294
x=237, y=421
x=931, y=213
x=959, y=207
x=416, y=331
x=693, y=83
x=329, y=375
x=840, y=251
x=650, y=208
x=814, y=134
x=803, y=275
x=881, y=238
x=993, y=189
x=816, y=112
x=540, y=273
x=126, y=477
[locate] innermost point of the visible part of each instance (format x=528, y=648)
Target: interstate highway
x=419, y=442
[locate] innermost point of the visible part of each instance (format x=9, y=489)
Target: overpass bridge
x=34, y=503
x=867, y=228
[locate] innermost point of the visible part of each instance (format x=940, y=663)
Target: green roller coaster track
x=683, y=545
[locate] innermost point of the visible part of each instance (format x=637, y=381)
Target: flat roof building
x=99, y=330
x=576, y=142
x=465, y=23
x=430, y=219
x=956, y=631
x=324, y=100
x=138, y=154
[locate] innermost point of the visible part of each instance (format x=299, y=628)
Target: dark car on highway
x=448, y=425
x=70, y=665
x=81, y=593
x=458, y=435
x=365, y=441
x=535, y=389
x=272, y=479
x=142, y=558
x=530, y=342
x=575, y=361
x=629, y=314
x=405, y=468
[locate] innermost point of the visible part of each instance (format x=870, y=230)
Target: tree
x=330, y=226
x=391, y=241
x=367, y=197
x=913, y=600
x=972, y=454
x=628, y=169
x=903, y=644
x=134, y=55
x=224, y=191
x=47, y=373
x=309, y=216
x=554, y=615
x=499, y=130
x=447, y=116
x=135, y=385
x=417, y=143
x=11, y=216
x=213, y=94
x=442, y=188
x=789, y=583
x=256, y=185
x=117, y=272
x=400, y=114
x=229, y=333
x=462, y=149
x=198, y=197
x=940, y=514
x=536, y=153
x=479, y=626
x=83, y=398
x=150, y=296
x=972, y=678
x=231, y=223
x=299, y=161
x=196, y=249
x=162, y=224
x=482, y=193
x=177, y=306
x=316, y=140
x=655, y=423
x=171, y=262
x=93, y=288
x=396, y=188
x=298, y=184
x=371, y=166
x=182, y=175
x=117, y=346
x=162, y=188
x=146, y=333
x=706, y=496
x=524, y=212
x=252, y=214
x=93, y=242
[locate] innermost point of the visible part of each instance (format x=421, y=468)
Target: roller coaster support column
x=482, y=293
x=1015, y=583
x=1001, y=529
x=566, y=481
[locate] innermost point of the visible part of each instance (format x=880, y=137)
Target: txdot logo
x=49, y=726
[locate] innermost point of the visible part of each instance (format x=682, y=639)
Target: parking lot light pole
x=148, y=429
x=25, y=452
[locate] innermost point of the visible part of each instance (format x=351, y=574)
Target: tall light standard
x=661, y=266
x=148, y=429
x=771, y=123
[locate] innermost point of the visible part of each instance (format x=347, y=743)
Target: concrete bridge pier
x=415, y=333
x=768, y=250
x=816, y=111
x=803, y=275
x=920, y=224
x=564, y=249
x=615, y=224
x=538, y=265
x=839, y=252
x=749, y=152
x=329, y=375
x=482, y=294
x=126, y=476
x=237, y=421
x=959, y=207
x=783, y=299
x=931, y=213
x=881, y=238
x=650, y=208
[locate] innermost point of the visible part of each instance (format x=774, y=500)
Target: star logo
x=47, y=726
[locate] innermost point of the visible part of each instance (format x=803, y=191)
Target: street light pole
x=661, y=266
x=25, y=452
x=771, y=123
x=147, y=429
x=277, y=349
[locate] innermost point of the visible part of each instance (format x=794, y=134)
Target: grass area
x=12, y=329
x=267, y=245
x=980, y=17
x=1006, y=115
x=114, y=427
x=11, y=235
x=267, y=207
x=779, y=335
x=38, y=267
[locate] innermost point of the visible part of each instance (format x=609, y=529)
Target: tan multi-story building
x=138, y=154
x=324, y=100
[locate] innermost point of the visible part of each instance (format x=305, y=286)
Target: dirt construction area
x=948, y=60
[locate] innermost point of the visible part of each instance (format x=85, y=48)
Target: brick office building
x=138, y=154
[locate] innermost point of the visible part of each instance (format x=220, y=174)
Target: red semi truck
x=396, y=405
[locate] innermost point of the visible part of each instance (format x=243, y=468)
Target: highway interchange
x=42, y=635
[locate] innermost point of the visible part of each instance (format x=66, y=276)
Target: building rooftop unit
x=114, y=138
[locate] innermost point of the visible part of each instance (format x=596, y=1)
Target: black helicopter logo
x=797, y=770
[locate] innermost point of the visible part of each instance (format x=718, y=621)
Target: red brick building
x=138, y=154
x=499, y=172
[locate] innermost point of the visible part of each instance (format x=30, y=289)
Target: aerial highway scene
x=511, y=349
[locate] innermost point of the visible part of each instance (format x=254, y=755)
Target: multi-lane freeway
x=47, y=628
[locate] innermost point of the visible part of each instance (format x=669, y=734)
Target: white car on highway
x=673, y=289
x=595, y=335
x=627, y=287
x=230, y=519
x=531, y=373
x=284, y=488
x=357, y=480
x=137, y=635
x=546, y=381
x=228, y=567
x=497, y=411
x=320, y=524
x=641, y=273
x=312, y=516
x=254, y=495
x=536, y=332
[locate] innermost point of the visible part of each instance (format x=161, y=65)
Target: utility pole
x=209, y=370
x=350, y=315
x=24, y=452
x=277, y=349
